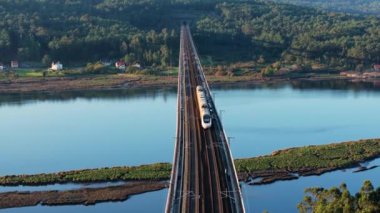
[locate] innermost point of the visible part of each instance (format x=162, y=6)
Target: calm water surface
x=48, y=135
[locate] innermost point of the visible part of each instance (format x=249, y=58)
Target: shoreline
x=282, y=165
x=127, y=81
x=83, y=196
x=272, y=176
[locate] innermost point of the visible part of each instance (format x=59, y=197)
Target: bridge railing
x=226, y=142
x=175, y=169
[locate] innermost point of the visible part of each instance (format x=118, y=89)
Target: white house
x=14, y=64
x=1, y=67
x=56, y=66
x=137, y=65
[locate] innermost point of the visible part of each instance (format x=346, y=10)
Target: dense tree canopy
x=351, y=6
x=293, y=34
x=340, y=200
x=72, y=30
x=147, y=31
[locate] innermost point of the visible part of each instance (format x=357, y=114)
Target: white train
x=203, y=108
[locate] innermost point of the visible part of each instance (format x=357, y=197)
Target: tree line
x=293, y=34
x=357, y=7
x=320, y=200
x=147, y=31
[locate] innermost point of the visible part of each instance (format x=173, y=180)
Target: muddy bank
x=121, y=81
x=59, y=84
x=292, y=163
x=271, y=176
x=280, y=165
x=86, y=196
x=287, y=164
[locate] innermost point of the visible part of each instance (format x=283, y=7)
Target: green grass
x=170, y=71
x=339, y=155
x=36, y=73
x=28, y=72
x=156, y=171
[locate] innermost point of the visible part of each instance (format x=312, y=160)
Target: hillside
x=147, y=31
x=371, y=7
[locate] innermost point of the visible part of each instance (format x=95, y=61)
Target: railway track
x=203, y=177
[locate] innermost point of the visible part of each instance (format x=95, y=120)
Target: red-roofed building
x=376, y=67
x=120, y=64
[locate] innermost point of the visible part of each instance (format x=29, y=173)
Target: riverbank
x=85, y=196
x=293, y=163
x=151, y=172
x=128, y=81
x=280, y=165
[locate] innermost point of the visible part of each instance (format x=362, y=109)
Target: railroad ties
x=203, y=178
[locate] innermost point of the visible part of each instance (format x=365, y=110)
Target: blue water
x=283, y=196
x=263, y=120
x=51, y=135
x=68, y=186
x=48, y=136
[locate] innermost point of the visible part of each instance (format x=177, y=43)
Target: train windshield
x=206, y=118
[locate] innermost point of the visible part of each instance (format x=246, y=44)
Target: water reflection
x=25, y=98
x=61, y=187
x=73, y=130
x=283, y=196
x=116, y=94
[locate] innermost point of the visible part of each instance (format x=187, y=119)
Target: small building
x=56, y=66
x=371, y=75
x=14, y=64
x=296, y=67
x=106, y=63
x=351, y=74
x=2, y=67
x=137, y=65
x=354, y=75
x=376, y=67
x=121, y=65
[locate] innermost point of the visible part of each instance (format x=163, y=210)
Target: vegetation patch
x=320, y=200
x=84, y=196
x=309, y=160
x=158, y=171
x=225, y=31
x=280, y=165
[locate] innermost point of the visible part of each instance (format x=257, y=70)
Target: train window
x=206, y=118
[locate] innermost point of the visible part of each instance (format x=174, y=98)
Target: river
x=49, y=133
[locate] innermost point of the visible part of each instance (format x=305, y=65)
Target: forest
x=320, y=200
x=371, y=7
x=147, y=31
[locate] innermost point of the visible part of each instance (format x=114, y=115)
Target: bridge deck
x=203, y=177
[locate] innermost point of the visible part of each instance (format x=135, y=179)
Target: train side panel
x=206, y=119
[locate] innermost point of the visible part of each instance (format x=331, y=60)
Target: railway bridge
x=204, y=177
